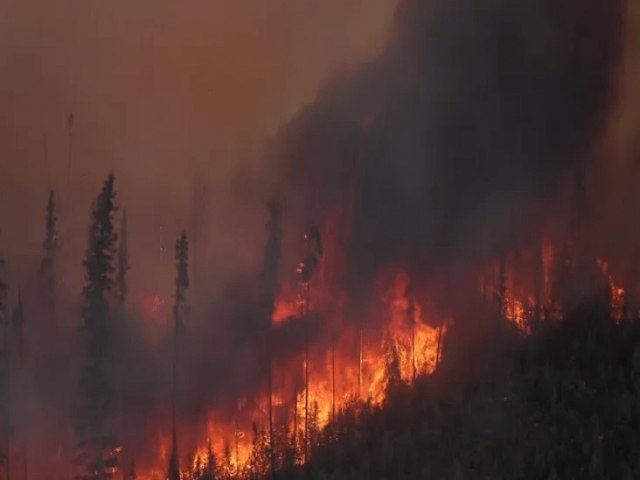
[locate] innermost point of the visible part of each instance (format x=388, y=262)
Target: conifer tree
x=174, y=466
x=17, y=325
x=272, y=253
x=47, y=265
x=182, y=283
x=5, y=427
x=123, y=263
x=96, y=448
x=210, y=472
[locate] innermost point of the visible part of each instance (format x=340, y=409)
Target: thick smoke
x=475, y=113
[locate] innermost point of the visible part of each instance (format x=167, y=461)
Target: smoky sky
x=166, y=94
x=481, y=109
x=436, y=127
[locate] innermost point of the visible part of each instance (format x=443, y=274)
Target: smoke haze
x=162, y=93
x=434, y=129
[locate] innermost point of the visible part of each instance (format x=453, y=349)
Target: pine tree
x=17, y=325
x=182, y=283
x=209, y=472
x=174, y=467
x=5, y=426
x=47, y=265
x=123, y=263
x=227, y=463
x=96, y=448
x=272, y=253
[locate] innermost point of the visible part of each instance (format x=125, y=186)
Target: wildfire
x=407, y=346
x=400, y=340
x=284, y=310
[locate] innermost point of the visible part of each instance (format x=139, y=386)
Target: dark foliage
x=563, y=404
x=96, y=448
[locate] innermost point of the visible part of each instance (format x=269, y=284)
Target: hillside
x=562, y=403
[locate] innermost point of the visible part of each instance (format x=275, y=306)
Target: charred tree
x=306, y=268
x=209, y=472
x=96, y=448
x=47, y=265
x=182, y=284
x=174, y=466
x=123, y=263
x=17, y=327
x=5, y=414
x=333, y=382
x=411, y=324
x=272, y=253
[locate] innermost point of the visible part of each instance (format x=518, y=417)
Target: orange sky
x=161, y=91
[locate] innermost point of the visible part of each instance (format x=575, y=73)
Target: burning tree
x=272, y=252
x=96, y=448
x=182, y=283
x=182, y=280
x=5, y=426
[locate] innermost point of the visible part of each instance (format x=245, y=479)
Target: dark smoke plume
x=474, y=112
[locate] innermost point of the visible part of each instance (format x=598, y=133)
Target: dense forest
x=562, y=403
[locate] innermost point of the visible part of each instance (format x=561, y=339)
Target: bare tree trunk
x=272, y=458
x=333, y=382
x=439, y=346
x=295, y=423
x=359, y=358
x=413, y=352
x=306, y=404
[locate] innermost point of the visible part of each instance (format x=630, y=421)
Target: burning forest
x=458, y=207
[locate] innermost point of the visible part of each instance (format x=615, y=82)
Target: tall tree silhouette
x=96, y=448
x=5, y=414
x=182, y=284
x=123, y=263
x=17, y=325
x=272, y=252
x=47, y=265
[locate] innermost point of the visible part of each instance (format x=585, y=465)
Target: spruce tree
x=96, y=448
x=123, y=263
x=47, y=265
x=5, y=427
x=17, y=325
x=210, y=466
x=272, y=253
x=174, y=466
x=182, y=281
x=182, y=284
